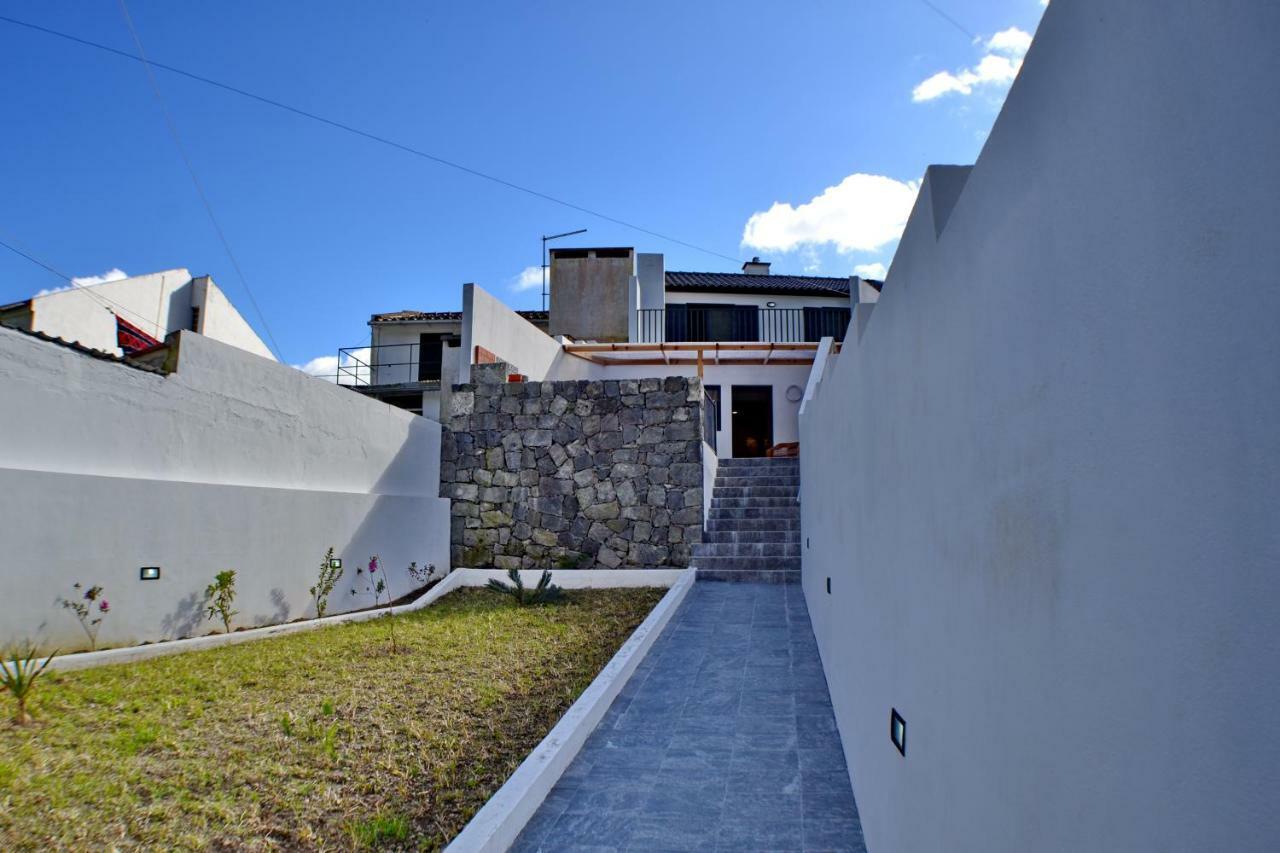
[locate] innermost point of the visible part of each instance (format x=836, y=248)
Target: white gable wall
x=1047, y=502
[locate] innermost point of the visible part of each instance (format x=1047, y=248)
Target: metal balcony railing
x=742, y=323
x=385, y=364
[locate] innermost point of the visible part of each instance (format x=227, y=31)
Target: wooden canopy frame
x=693, y=353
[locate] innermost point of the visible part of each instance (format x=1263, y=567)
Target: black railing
x=707, y=323
x=385, y=364
x=709, y=420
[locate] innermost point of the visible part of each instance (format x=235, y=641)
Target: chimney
x=755, y=266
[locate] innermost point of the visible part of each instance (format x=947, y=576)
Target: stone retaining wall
x=585, y=474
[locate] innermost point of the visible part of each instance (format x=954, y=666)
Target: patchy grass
x=317, y=740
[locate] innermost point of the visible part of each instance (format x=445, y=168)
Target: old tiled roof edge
x=742, y=282
x=426, y=316
x=89, y=351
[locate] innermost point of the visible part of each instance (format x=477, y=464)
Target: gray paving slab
x=724, y=739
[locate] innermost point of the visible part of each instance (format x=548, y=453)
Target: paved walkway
x=722, y=740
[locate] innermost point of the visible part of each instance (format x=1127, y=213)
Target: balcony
x=388, y=365
x=739, y=323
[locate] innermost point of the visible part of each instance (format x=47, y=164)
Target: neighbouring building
x=131, y=315
x=750, y=336
x=406, y=356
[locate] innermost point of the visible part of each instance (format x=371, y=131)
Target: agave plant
x=19, y=669
x=543, y=593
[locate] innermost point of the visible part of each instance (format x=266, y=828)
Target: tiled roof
x=427, y=316
x=736, y=282
x=76, y=346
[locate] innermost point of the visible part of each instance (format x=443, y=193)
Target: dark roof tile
x=736, y=282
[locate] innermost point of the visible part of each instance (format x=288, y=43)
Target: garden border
x=567, y=578
x=495, y=827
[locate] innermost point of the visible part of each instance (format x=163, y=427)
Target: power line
x=99, y=298
x=382, y=140
x=204, y=199
x=950, y=20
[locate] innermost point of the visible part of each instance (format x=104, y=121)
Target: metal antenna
x=545, y=240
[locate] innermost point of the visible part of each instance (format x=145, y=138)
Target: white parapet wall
x=232, y=462
x=1044, y=481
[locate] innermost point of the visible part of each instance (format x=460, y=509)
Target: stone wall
x=584, y=474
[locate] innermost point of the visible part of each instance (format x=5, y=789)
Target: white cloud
x=860, y=214
x=996, y=68
x=113, y=274
x=875, y=271
x=1010, y=42
x=528, y=279
x=326, y=367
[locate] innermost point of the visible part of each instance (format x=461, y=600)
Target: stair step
x=751, y=512
x=760, y=461
x=752, y=534
x=734, y=525
x=751, y=564
x=748, y=576
x=753, y=479
x=746, y=549
x=755, y=492
x=742, y=503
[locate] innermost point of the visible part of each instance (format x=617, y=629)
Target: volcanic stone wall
x=581, y=474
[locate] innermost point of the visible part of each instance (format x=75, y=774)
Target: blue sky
x=720, y=124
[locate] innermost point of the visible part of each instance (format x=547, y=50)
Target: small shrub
x=84, y=606
x=19, y=670
x=422, y=576
x=544, y=593
x=221, y=594
x=329, y=575
x=375, y=585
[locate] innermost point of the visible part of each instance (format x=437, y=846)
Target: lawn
x=324, y=739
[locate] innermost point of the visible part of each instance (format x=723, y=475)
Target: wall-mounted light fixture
x=771, y=305
x=335, y=563
x=149, y=573
x=898, y=730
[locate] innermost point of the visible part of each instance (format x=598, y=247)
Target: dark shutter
x=677, y=323
x=825, y=322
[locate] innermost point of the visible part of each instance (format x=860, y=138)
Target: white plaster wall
x=231, y=462
x=1047, y=502
x=157, y=303
x=146, y=301
x=488, y=323
x=221, y=321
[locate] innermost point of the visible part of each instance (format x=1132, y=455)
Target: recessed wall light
x=335, y=563
x=898, y=730
x=149, y=573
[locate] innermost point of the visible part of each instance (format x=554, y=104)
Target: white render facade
x=158, y=304
x=754, y=334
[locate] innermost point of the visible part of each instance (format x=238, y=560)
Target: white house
x=126, y=316
x=751, y=336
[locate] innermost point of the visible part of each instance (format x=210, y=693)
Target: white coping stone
x=567, y=578
x=495, y=827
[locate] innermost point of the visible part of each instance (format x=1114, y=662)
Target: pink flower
x=373, y=565
x=104, y=606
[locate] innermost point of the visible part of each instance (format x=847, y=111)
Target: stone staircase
x=753, y=531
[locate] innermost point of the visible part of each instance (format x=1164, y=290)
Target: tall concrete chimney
x=589, y=293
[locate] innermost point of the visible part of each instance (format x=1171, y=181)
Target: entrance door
x=752, y=408
x=430, y=355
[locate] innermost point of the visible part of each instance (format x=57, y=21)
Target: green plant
x=421, y=576
x=84, y=611
x=543, y=593
x=19, y=670
x=330, y=571
x=221, y=594
x=377, y=587
x=380, y=829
